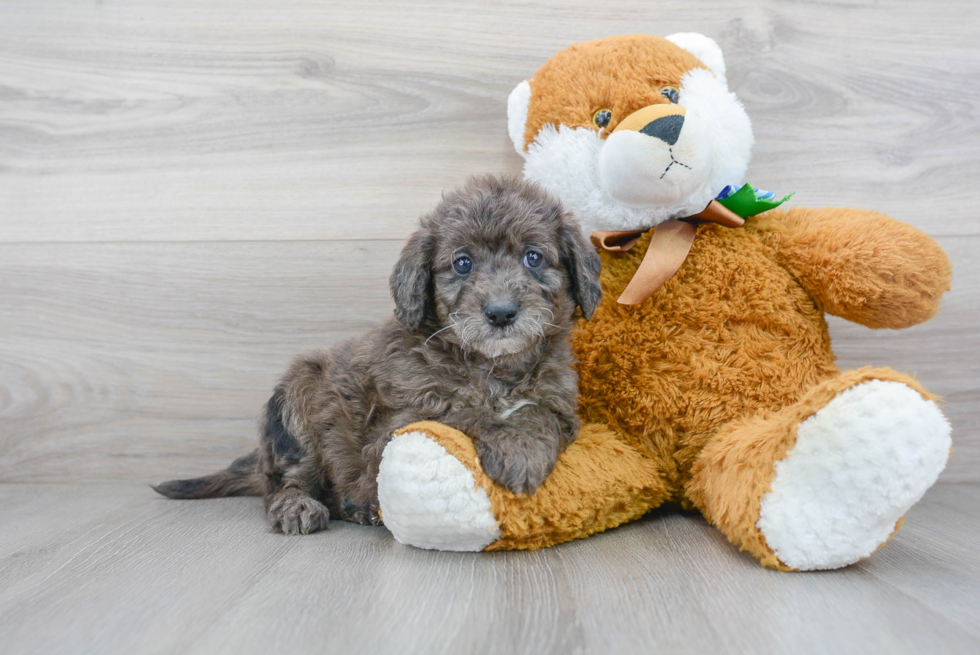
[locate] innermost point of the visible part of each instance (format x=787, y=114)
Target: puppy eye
x=671, y=94
x=533, y=259
x=462, y=265
x=601, y=118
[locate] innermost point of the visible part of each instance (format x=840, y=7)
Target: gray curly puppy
x=485, y=295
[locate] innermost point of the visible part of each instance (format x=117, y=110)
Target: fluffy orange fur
x=571, y=86
x=598, y=484
x=695, y=394
x=733, y=472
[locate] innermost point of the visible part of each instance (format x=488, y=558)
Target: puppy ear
x=583, y=264
x=411, y=280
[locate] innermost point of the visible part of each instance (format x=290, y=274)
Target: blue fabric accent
x=727, y=191
x=760, y=194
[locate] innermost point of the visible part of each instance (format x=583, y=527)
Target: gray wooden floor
x=113, y=569
x=193, y=191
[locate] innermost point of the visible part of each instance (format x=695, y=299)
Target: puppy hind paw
x=297, y=514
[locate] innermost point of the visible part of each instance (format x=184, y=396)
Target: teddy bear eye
x=671, y=94
x=601, y=118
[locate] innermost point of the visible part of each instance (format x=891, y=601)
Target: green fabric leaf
x=744, y=203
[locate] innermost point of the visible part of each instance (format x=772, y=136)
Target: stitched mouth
x=672, y=162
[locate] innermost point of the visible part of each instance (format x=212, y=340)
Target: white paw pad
x=858, y=466
x=430, y=500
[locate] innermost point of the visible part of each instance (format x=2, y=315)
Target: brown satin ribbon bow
x=669, y=246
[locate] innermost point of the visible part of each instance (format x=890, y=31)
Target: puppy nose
x=667, y=128
x=501, y=314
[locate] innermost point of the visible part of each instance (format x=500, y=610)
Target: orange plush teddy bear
x=707, y=375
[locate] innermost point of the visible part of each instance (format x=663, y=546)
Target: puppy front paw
x=514, y=464
x=294, y=512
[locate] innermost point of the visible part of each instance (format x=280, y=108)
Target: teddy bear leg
x=825, y=482
x=434, y=494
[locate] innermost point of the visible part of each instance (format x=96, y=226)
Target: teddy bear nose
x=665, y=128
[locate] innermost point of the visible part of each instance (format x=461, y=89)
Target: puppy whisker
x=490, y=372
x=426, y=343
x=464, y=333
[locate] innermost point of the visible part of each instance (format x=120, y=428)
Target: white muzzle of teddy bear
x=620, y=181
x=655, y=156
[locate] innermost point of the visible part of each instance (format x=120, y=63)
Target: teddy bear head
x=631, y=131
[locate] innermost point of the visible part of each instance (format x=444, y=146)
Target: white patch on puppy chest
x=858, y=466
x=504, y=415
x=430, y=500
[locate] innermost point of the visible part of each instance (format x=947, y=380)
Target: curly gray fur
x=511, y=388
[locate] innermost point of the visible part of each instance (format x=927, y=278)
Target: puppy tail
x=242, y=478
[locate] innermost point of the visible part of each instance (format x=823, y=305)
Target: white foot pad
x=858, y=466
x=430, y=500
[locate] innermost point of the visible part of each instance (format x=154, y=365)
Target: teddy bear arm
x=434, y=493
x=865, y=266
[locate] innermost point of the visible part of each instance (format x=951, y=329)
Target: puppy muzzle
x=655, y=156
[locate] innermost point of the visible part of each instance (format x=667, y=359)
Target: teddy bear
x=707, y=378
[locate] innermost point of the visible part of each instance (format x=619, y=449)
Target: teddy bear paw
x=430, y=500
x=858, y=466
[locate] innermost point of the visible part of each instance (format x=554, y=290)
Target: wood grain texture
x=184, y=120
x=192, y=192
x=142, y=361
x=113, y=569
x=135, y=360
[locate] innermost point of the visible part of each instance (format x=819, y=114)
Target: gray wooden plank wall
x=193, y=191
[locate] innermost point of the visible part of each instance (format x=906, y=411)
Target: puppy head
x=496, y=266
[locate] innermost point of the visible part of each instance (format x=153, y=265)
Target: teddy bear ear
x=703, y=48
x=517, y=105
